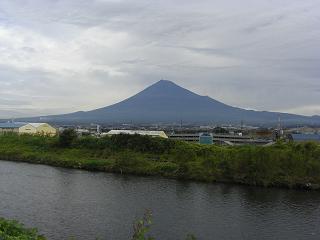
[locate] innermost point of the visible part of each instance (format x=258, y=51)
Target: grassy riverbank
x=284, y=165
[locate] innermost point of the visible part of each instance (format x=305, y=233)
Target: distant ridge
x=166, y=102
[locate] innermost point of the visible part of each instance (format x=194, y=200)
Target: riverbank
x=281, y=165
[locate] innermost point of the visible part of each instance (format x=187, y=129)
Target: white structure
x=139, y=132
x=43, y=129
x=82, y=131
x=28, y=128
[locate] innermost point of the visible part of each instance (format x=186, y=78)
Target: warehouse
x=139, y=132
x=28, y=128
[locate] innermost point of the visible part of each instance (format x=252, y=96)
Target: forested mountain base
x=283, y=164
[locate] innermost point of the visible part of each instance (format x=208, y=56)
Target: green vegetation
x=67, y=137
x=283, y=164
x=142, y=227
x=12, y=230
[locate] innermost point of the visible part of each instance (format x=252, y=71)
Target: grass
x=283, y=164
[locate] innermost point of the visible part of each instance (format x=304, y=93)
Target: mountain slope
x=167, y=102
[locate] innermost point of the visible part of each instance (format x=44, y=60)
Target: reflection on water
x=63, y=203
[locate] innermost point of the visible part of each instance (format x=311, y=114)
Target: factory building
x=28, y=128
x=219, y=139
x=139, y=132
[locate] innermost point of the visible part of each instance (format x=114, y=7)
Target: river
x=64, y=203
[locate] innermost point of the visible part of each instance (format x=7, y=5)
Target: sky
x=60, y=56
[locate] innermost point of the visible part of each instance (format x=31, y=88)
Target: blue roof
x=12, y=124
x=305, y=137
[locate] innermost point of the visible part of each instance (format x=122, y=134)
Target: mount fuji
x=166, y=102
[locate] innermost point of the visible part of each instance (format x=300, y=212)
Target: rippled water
x=65, y=203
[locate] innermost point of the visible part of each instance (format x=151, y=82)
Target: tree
x=67, y=137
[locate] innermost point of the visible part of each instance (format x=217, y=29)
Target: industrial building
x=139, y=132
x=28, y=128
x=226, y=139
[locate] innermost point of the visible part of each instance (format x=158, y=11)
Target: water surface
x=65, y=203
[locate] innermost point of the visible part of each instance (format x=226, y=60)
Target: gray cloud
x=61, y=56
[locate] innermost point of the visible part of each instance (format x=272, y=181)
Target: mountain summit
x=167, y=102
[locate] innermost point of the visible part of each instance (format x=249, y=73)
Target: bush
x=141, y=143
x=142, y=227
x=67, y=137
x=127, y=161
x=12, y=230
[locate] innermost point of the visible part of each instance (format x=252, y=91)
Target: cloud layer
x=59, y=56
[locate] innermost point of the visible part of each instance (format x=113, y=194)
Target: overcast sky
x=59, y=56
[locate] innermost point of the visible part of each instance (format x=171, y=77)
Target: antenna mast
x=279, y=123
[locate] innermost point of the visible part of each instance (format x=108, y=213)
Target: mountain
x=166, y=102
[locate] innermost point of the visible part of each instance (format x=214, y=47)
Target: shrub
x=141, y=143
x=12, y=230
x=67, y=137
x=142, y=227
x=127, y=161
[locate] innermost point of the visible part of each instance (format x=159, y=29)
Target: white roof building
x=28, y=128
x=36, y=125
x=139, y=132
